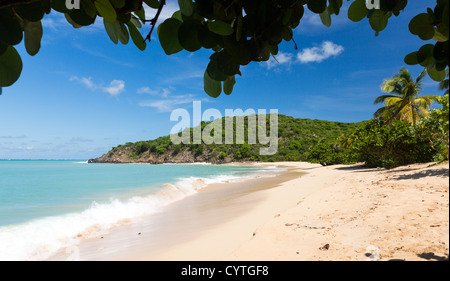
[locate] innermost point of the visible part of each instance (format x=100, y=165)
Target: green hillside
x=296, y=139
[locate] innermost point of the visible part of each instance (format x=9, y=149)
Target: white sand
x=398, y=214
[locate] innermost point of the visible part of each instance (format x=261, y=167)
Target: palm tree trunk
x=412, y=114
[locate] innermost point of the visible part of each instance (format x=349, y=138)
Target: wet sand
x=150, y=237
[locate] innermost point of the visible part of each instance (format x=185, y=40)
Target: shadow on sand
x=424, y=174
x=442, y=172
x=432, y=256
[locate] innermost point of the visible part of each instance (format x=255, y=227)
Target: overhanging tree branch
x=154, y=20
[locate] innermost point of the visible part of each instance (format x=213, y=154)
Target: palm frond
x=421, y=77
x=383, y=98
x=403, y=101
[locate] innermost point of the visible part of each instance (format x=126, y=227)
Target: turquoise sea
x=44, y=204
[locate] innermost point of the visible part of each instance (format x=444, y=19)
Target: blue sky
x=81, y=95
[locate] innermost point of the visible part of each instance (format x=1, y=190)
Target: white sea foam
x=42, y=238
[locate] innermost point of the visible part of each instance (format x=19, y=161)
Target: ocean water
x=45, y=205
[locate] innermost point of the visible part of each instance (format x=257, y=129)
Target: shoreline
x=308, y=213
x=213, y=204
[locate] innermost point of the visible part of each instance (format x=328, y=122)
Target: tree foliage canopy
x=237, y=31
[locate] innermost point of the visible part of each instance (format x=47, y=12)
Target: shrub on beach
x=435, y=128
x=389, y=146
x=331, y=154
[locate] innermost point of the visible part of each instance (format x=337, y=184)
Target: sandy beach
x=307, y=213
x=336, y=213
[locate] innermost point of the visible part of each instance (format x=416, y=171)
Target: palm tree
x=402, y=101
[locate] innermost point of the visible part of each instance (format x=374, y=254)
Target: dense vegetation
x=296, y=139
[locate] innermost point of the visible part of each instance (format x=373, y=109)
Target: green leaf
x=221, y=66
x=221, y=28
x=168, y=36
x=241, y=51
x=116, y=31
x=81, y=17
x=335, y=6
x=177, y=15
x=136, y=22
x=131, y=6
x=31, y=12
x=106, y=10
x=411, y=59
x=10, y=67
x=10, y=28
x=439, y=37
x=435, y=74
x=379, y=20
x=287, y=34
x=214, y=71
x=141, y=14
x=445, y=14
x=326, y=18
x=46, y=6
x=212, y=87
x=118, y=3
x=239, y=27
x=228, y=85
x=71, y=21
x=186, y=7
x=124, y=18
x=3, y=48
x=207, y=38
x=89, y=8
x=425, y=55
x=124, y=36
x=357, y=10
x=152, y=3
x=396, y=5
x=33, y=36
x=317, y=6
x=188, y=35
x=422, y=25
x=440, y=52
x=136, y=36
x=297, y=14
x=60, y=6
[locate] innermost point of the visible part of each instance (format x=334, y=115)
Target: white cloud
x=13, y=137
x=54, y=21
x=280, y=59
x=167, y=105
x=325, y=51
x=161, y=92
x=80, y=139
x=87, y=82
x=312, y=19
x=318, y=54
x=57, y=21
x=114, y=89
